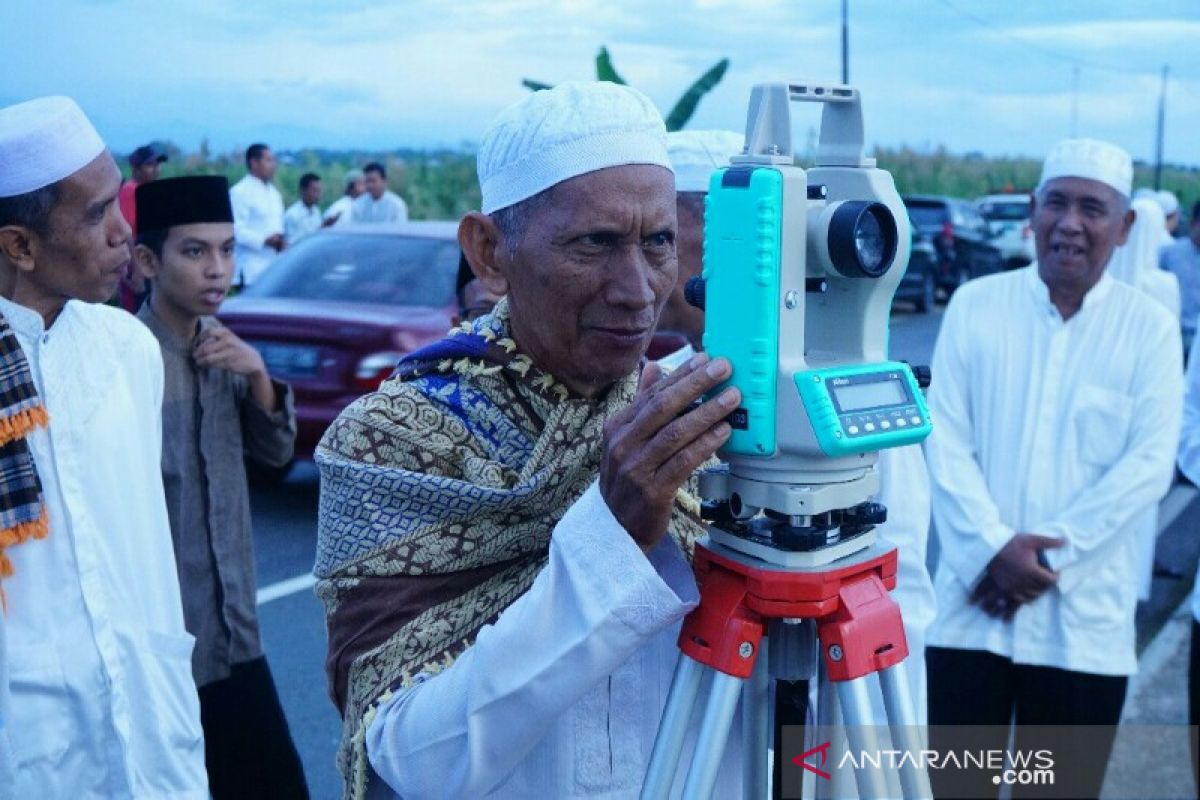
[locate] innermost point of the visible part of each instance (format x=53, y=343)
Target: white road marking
x=291, y=586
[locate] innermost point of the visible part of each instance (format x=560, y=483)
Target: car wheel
x=928, y=296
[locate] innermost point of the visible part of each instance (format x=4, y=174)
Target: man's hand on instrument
x=655, y=444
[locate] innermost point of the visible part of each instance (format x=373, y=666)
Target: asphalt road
x=292, y=622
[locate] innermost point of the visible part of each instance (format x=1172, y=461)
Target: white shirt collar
x=1095, y=296
x=25, y=321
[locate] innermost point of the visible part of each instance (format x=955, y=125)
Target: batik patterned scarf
x=22, y=512
x=438, y=497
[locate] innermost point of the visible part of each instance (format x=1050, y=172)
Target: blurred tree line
x=441, y=184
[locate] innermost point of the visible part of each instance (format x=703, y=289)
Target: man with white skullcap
x=1181, y=258
x=1057, y=392
x=501, y=549
x=99, y=660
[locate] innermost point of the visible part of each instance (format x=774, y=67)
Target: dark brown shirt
x=210, y=422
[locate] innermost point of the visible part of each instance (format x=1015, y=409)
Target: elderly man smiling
x=1058, y=395
x=504, y=531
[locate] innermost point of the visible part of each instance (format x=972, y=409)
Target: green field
x=440, y=184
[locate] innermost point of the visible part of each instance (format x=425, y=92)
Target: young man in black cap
x=218, y=403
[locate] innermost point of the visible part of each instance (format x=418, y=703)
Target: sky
x=990, y=76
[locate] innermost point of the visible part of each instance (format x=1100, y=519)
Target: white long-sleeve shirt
x=390, y=207
x=1060, y=428
x=561, y=697
x=102, y=700
x=257, y=215
x=1189, y=438
x=299, y=221
x=340, y=210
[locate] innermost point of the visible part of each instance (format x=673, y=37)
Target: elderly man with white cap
x=99, y=667
x=503, y=533
x=1057, y=394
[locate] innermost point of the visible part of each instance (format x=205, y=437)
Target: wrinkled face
x=196, y=268
x=592, y=272
x=263, y=167
x=86, y=248
x=311, y=193
x=678, y=314
x=375, y=184
x=1077, y=223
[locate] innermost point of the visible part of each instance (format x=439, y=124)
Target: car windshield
x=926, y=214
x=1005, y=210
x=372, y=268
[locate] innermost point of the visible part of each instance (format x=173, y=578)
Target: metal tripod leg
x=668, y=745
x=756, y=727
x=906, y=734
x=855, y=699
x=713, y=736
x=828, y=723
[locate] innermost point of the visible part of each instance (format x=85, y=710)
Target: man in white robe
x=560, y=695
x=257, y=217
x=1057, y=397
x=340, y=210
x=378, y=203
x=99, y=663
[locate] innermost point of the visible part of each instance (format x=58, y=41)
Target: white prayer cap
x=1091, y=159
x=696, y=155
x=1167, y=201
x=560, y=133
x=43, y=141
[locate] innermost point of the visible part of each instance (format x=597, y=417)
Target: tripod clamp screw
x=835, y=653
x=745, y=650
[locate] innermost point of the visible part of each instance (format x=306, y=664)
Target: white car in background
x=1008, y=217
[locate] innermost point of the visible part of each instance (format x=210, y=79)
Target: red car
x=335, y=312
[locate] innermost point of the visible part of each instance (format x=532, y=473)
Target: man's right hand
x=275, y=242
x=1015, y=575
x=651, y=448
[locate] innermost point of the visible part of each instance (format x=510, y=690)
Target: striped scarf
x=22, y=512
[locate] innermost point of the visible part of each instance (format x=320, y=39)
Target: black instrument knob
x=693, y=292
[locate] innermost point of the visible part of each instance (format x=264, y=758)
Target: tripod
x=859, y=629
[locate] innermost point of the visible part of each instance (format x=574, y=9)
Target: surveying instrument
x=799, y=271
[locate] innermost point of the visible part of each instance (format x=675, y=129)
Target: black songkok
x=193, y=199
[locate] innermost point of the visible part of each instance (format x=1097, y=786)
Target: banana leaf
x=535, y=86
x=686, y=106
x=605, y=71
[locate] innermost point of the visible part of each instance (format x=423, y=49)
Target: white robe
x=1065, y=429
x=388, y=208
x=299, y=221
x=1136, y=263
x=257, y=215
x=102, y=699
x=341, y=209
x=1189, y=439
x=562, y=696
